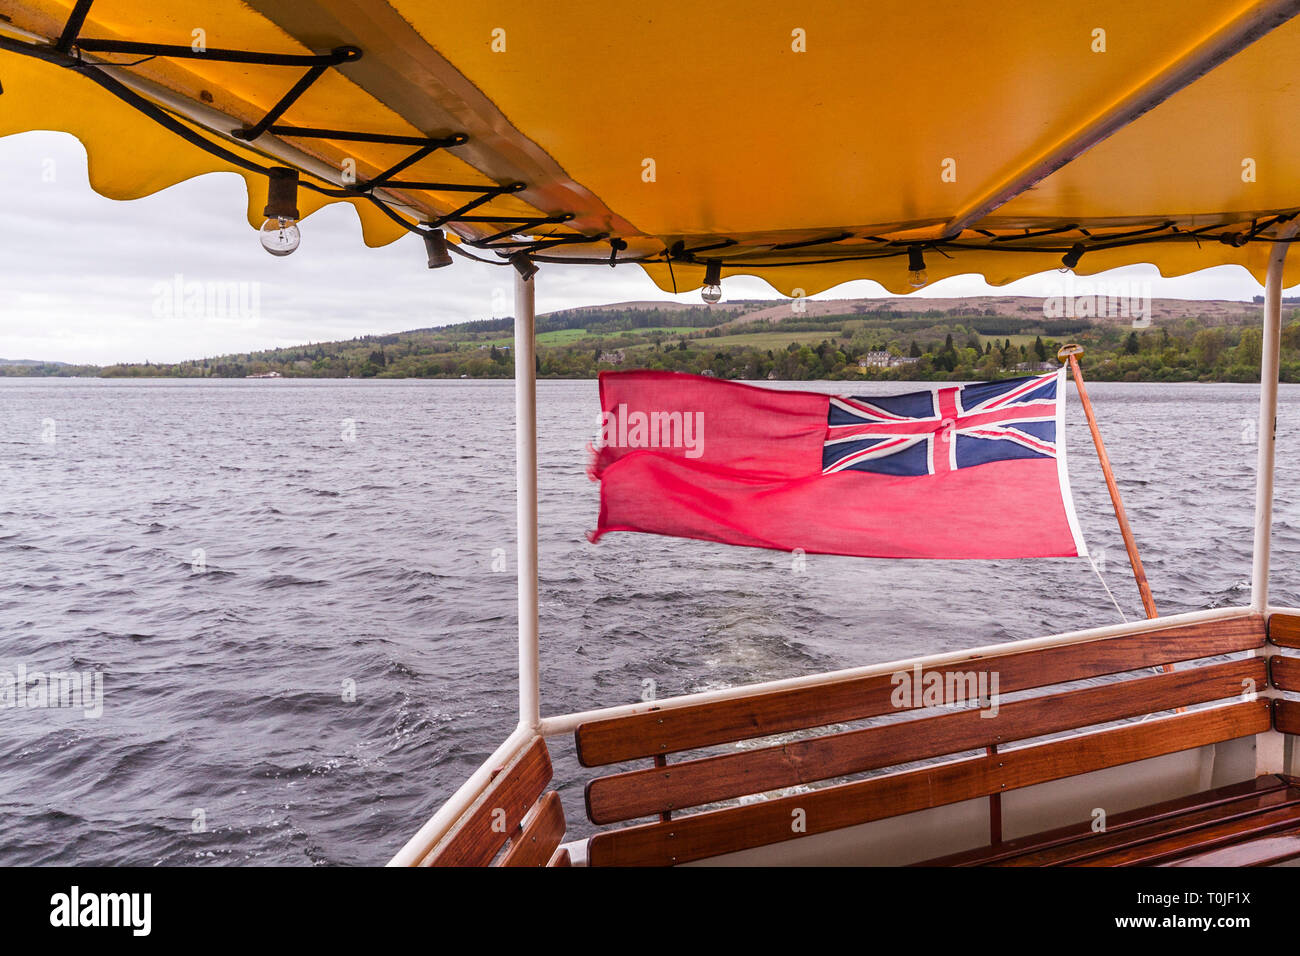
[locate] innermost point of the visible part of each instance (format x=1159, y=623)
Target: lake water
x=294, y=592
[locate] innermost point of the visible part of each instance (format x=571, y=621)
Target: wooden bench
x=1246, y=824
x=662, y=792
x=514, y=807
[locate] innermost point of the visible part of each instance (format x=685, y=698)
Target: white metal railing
x=1267, y=450
x=441, y=822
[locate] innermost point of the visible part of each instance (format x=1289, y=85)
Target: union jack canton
x=944, y=429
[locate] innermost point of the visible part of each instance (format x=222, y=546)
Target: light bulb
x=712, y=291
x=280, y=236
x=916, y=276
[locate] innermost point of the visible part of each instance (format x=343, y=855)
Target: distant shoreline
x=507, y=380
x=1130, y=338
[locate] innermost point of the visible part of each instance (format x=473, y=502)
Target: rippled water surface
x=233, y=556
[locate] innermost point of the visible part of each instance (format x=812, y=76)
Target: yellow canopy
x=809, y=143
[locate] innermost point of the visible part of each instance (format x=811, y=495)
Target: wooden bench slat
x=643, y=793
x=1185, y=825
x=634, y=736
x=1284, y=630
x=1285, y=672
x=1286, y=716
x=1174, y=846
x=560, y=858
x=477, y=837
x=541, y=835
x=1065, y=844
x=1261, y=851
x=712, y=833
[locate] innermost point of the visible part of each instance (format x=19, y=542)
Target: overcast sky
x=81, y=276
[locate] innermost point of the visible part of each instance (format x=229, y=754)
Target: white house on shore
x=883, y=360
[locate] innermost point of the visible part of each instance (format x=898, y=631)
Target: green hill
x=960, y=339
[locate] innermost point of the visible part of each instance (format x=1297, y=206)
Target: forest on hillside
x=883, y=343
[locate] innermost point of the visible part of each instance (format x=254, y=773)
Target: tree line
x=915, y=347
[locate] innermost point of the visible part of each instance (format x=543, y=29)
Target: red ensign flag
x=961, y=471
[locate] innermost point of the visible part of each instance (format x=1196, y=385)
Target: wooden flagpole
x=1071, y=353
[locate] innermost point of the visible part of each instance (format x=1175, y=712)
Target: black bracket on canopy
x=173, y=52
x=75, y=22
x=1024, y=240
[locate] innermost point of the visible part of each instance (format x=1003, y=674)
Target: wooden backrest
x=668, y=789
x=662, y=732
x=712, y=833
x=654, y=790
x=513, y=807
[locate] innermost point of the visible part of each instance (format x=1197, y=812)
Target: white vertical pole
x=1267, y=426
x=526, y=499
x=1270, y=745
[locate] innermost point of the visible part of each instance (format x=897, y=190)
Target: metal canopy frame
x=1270, y=751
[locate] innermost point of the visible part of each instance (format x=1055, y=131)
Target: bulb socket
x=915, y=259
x=616, y=246
x=713, y=272
x=435, y=243
x=282, y=193
x=1071, y=258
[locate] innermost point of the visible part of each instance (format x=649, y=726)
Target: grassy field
x=774, y=340
x=769, y=340
x=569, y=336
x=665, y=331
x=558, y=337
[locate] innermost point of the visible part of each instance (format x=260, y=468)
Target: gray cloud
x=81, y=276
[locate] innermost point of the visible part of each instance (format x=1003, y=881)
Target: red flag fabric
x=972, y=471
